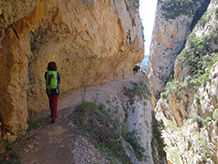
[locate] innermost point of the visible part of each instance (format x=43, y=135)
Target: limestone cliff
x=92, y=41
x=188, y=105
x=131, y=104
x=173, y=22
x=133, y=107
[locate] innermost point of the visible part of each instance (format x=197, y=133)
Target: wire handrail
x=25, y=90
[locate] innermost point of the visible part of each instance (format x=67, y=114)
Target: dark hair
x=52, y=66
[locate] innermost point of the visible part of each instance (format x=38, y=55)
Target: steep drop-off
x=91, y=41
x=188, y=105
x=126, y=100
x=173, y=23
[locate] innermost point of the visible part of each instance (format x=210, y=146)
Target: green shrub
x=96, y=124
x=196, y=54
x=132, y=92
x=33, y=125
x=215, y=115
x=204, y=20
x=10, y=156
x=216, y=12
x=8, y=144
x=157, y=140
x=164, y=95
x=133, y=140
x=174, y=8
x=139, y=89
x=175, y=154
x=197, y=98
x=199, y=120
x=208, y=119
x=174, y=87
x=199, y=56
x=187, y=82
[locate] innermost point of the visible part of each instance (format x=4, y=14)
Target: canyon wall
x=131, y=104
x=92, y=41
x=168, y=39
x=188, y=103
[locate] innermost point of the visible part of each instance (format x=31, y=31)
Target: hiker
x=52, y=78
x=134, y=70
x=138, y=68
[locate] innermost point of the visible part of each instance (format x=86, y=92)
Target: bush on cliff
x=174, y=8
x=105, y=133
x=200, y=57
x=11, y=155
x=157, y=140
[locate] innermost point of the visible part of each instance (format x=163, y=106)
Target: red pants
x=53, y=104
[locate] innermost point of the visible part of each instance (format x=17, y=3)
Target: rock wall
x=90, y=40
x=188, y=106
x=133, y=107
x=168, y=39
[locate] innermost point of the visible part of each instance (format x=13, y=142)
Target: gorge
x=102, y=40
x=184, y=82
x=80, y=36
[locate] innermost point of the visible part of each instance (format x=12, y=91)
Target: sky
x=147, y=13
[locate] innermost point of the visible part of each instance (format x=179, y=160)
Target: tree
x=86, y=78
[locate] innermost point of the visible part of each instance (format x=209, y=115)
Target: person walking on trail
x=135, y=69
x=52, y=78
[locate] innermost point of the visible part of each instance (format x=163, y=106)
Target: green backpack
x=51, y=80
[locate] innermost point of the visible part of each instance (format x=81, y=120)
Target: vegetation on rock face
x=215, y=115
x=216, y=12
x=199, y=57
x=175, y=155
x=133, y=140
x=136, y=4
x=157, y=140
x=174, y=8
x=204, y=20
x=10, y=156
x=199, y=120
x=33, y=125
x=139, y=89
x=105, y=133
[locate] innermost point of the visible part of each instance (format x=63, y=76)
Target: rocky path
x=58, y=143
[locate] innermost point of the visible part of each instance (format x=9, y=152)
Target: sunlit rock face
x=91, y=41
x=189, y=113
x=191, y=125
x=168, y=39
x=133, y=107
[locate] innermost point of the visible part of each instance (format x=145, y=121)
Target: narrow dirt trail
x=58, y=143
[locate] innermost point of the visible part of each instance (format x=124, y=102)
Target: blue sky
x=147, y=13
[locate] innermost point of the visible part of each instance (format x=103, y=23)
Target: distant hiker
x=135, y=70
x=52, y=78
x=138, y=68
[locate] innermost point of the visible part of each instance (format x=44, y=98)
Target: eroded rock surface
x=168, y=39
x=189, y=111
x=91, y=41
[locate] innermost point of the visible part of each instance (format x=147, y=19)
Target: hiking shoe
x=53, y=121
